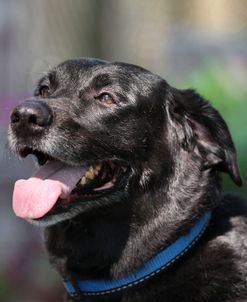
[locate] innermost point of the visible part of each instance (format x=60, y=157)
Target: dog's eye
x=44, y=91
x=106, y=98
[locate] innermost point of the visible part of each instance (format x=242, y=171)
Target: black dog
x=129, y=187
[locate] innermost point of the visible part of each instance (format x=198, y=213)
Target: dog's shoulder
x=225, y=247
x=217, y=267
x=228, y=226
x=231, y=217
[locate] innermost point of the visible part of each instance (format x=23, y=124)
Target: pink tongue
x=34, y=197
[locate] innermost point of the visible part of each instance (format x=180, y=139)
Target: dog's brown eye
x=106, y=98
x=44, y=91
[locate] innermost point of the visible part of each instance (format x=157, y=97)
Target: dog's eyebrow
x=101, y=80
x=49, y=78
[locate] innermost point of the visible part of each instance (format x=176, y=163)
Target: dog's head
x=103, y=131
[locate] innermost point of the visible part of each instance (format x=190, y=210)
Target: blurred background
x=200, y=44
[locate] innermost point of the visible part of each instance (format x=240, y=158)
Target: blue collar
x=152, y=267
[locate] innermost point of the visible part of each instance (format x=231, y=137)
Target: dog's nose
x=31, y=116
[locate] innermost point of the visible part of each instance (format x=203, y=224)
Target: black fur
x=175, y=144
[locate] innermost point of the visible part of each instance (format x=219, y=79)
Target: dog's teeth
x=83, y=181
x=90, y=175
x=98, y=167
x=91, y=169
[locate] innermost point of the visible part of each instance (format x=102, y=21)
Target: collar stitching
x=131, y=284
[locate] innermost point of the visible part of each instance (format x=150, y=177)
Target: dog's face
x=101, y=131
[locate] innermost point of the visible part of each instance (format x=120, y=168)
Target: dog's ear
x=203, y=127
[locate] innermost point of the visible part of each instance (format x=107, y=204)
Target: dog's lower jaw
x=88, y=197
x=80, y=209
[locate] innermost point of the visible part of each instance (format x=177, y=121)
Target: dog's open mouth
x=57, y=186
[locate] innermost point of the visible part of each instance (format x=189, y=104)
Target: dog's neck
x=157, y=264
x=159, y=219
x=124, y=237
